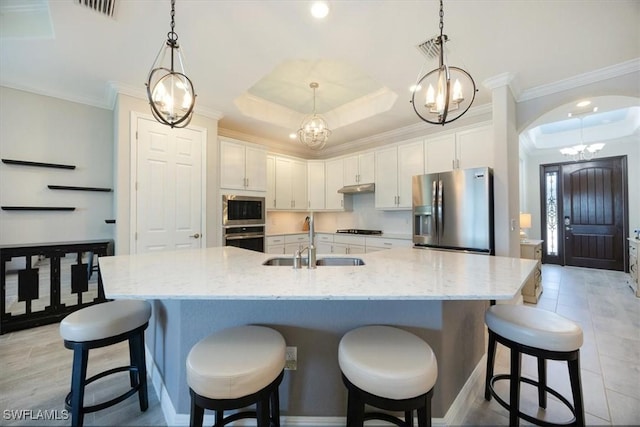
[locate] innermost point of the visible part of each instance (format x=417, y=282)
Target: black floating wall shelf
x=37, y=208
x=110, y=221
x=42, y=165
x=67, y=187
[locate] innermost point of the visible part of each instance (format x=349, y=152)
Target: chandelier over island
x=169, y=90
x=314, y=131
x=445, y=93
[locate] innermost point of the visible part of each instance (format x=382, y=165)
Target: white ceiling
x=251, y=61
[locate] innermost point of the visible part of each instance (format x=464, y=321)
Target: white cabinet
x=394, y=169
x=271, y=182
x=475, y=147
x=324, y=243
x=461, y=150
x=315, y=185
x=359, y=169
x=290, y=184
x=275, y=244
x=348, y=245
x=293, y=242
x=374, y=244
x=242, y=167
x=334, y=181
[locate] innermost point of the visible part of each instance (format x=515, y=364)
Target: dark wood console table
x=50, y=279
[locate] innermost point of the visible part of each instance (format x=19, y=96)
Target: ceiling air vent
x=431, y=47
x=105, y=7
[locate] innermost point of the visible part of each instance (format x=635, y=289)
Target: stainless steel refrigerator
x=454, y=210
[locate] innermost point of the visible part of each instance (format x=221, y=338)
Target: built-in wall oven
x=243, y=222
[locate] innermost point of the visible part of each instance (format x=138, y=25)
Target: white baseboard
x=454, y=416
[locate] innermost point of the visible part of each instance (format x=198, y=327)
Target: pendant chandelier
x=313, y=131
x=582, y=151
x=169, y=90
x=445, y=93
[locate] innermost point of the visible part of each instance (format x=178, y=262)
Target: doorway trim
x=559, y=259
x=133, y=178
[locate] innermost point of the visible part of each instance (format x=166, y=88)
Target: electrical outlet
x=291, y=359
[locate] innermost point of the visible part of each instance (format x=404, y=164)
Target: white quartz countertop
x=233, y=273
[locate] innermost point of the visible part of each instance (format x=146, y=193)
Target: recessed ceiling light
x=293, y=135
x=319, y=9
x=583, y=103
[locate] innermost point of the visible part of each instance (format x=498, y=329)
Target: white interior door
x=168, y=188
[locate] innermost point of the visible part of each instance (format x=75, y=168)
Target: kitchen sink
x=288, y=261
x=339, y=261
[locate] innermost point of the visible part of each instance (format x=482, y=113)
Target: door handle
x=195, y=236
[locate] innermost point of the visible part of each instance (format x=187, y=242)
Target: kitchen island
x=441, y=296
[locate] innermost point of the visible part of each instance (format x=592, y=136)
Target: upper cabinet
x=334, y=180
x=316, y=185
x=242, y=167
x=359, y=169
x=290, y=184
x=461, y=150
x=395, y=168
x=271, y=182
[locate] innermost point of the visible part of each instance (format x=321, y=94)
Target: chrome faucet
x=311, y=249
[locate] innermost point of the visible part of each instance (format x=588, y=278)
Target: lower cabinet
x=348, y=245
x=532, y=249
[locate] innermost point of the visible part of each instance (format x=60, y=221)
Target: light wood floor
x=35, y=368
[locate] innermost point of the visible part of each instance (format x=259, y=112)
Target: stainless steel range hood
x=359, y=188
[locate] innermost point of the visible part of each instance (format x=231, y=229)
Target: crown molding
x=58, y=95
x=610, y=72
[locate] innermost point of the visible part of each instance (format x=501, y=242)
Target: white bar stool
x=98, y=326
x=235, y=368
x=389, y=369
x=544, y=335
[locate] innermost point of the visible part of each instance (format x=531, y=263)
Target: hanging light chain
x=172, y=36
x=441, y=18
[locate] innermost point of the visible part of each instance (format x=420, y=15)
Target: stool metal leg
x=514, y=388
x=78, y=376
x=576, y=390
x=197, y=413
x=136, y=351
x=424, y=416
x=262, y=412
x=491, y=356
x=542, y=382
x=408, y=418
x=275, y=409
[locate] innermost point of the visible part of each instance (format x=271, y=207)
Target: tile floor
x=35, y=367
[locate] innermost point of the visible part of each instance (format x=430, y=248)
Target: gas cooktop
x=359, y=231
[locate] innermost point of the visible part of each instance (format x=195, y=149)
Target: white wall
x=44, y=129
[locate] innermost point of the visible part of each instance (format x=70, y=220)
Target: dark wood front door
x=594, y=213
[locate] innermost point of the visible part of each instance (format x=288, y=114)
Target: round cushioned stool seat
x=105, y=320
x=387, y=362
x=534, y=327
x=235, y=362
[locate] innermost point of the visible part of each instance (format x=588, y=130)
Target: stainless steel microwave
x=242, y=210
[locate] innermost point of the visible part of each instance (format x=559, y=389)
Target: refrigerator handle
x=434, y=196
x=440, y=205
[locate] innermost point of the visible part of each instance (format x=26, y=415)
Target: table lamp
x=525, y=222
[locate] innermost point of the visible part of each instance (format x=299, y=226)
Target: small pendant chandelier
x=169, y=90
x=439, y=96
x=313, y=131
x=582, y=151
